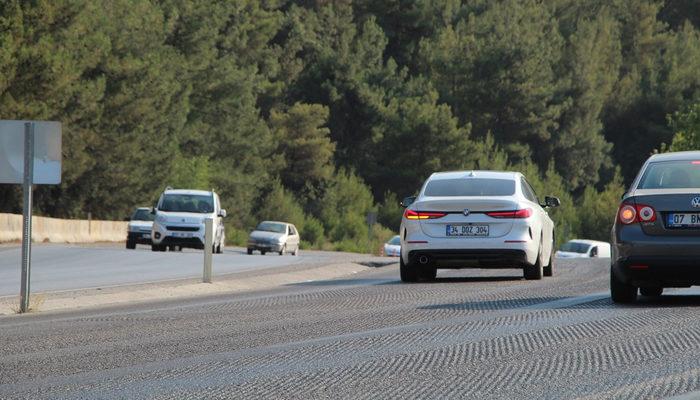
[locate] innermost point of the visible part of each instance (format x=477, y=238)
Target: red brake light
x=524, y=213
x=630, y=214
x=410, y=214
x=695, y=162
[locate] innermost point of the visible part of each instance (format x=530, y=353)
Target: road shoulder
x=183, y=288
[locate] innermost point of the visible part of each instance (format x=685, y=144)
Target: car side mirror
x=153, y=210
x=222, y=213
x=407, y=201
x=552, y=202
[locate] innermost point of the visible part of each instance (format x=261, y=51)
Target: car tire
x=408, y=272
x=218, y=249
x=651, y=291
x=428, y=274
x=548, y=269
x=534, y=272
x=262, y=252
x=283, y=250
x=157, y=247
x=621, y=292
x=296, y=251
x=130, y=244
x=250, y=251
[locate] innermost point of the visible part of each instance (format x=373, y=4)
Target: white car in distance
x=581, y=248
x=476, y=219
x=179, y=220
x=392, y=248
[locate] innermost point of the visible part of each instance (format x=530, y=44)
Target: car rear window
x=671, y=175
x=470, y=187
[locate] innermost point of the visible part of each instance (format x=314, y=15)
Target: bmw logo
x=695, y=202
x=466, y=210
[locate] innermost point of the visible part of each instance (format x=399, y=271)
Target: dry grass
x=35, y=303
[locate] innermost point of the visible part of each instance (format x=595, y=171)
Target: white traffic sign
x=47, y=152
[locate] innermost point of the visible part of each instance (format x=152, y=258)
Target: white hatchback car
x=179, y=220
x=582, y=248
x=476, y=219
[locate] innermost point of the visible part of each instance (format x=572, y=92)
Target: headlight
x=162, y=219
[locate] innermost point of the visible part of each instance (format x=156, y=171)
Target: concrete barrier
x=56, y=230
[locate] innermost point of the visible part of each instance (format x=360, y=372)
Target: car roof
x=586, y=241
x=676, y=156
x=277, y=222
x=188, y=191
x=475, y=174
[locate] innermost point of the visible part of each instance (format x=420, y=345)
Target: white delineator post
x=208, y=248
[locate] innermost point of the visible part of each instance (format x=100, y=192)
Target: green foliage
x=273, y=103
x=389, y=211
x=686, y=127
x=305, y=147
x=598, y=210
x=281, y=205
x=192, y=173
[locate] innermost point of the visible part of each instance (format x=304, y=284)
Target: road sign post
x=208, y=248
x=27, y=216
x=30, y=154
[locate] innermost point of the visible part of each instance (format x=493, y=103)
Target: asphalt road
x=471, y=334
x=65, y=267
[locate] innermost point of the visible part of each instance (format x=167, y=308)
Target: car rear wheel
x=535, y=272
x=250, y=251
x=620, y=292
x=296, y=251
x=262, y=252
x=651, y=291
x=130, y=244
x=408, y=272
x=283, y=250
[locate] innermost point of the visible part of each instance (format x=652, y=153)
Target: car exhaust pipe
x=423, y=259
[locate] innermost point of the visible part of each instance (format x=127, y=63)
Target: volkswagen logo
x=466, y=210
x=695, y=202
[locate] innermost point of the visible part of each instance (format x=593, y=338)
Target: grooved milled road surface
x=472, y=334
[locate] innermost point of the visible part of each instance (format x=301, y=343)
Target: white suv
x=179, y=220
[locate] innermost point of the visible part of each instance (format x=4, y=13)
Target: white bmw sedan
x=476, y=219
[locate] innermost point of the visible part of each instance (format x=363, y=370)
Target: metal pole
x=27, y=216
x=208, y=248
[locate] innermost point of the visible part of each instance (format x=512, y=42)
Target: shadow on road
x=342, y=282
x=504, y=304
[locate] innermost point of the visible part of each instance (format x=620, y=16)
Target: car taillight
x=410, y=214
x=645, y=213
x=630, y=214
x=524, y=213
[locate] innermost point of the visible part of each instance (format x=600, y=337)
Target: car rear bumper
x=665, y=271
x=469, y=258
x=644, y=260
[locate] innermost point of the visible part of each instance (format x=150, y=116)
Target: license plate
x=182, y=234
x=467, y=230
x=683, y=220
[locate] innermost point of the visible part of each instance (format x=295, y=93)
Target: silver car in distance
x=476, y=219
x=274, y=236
